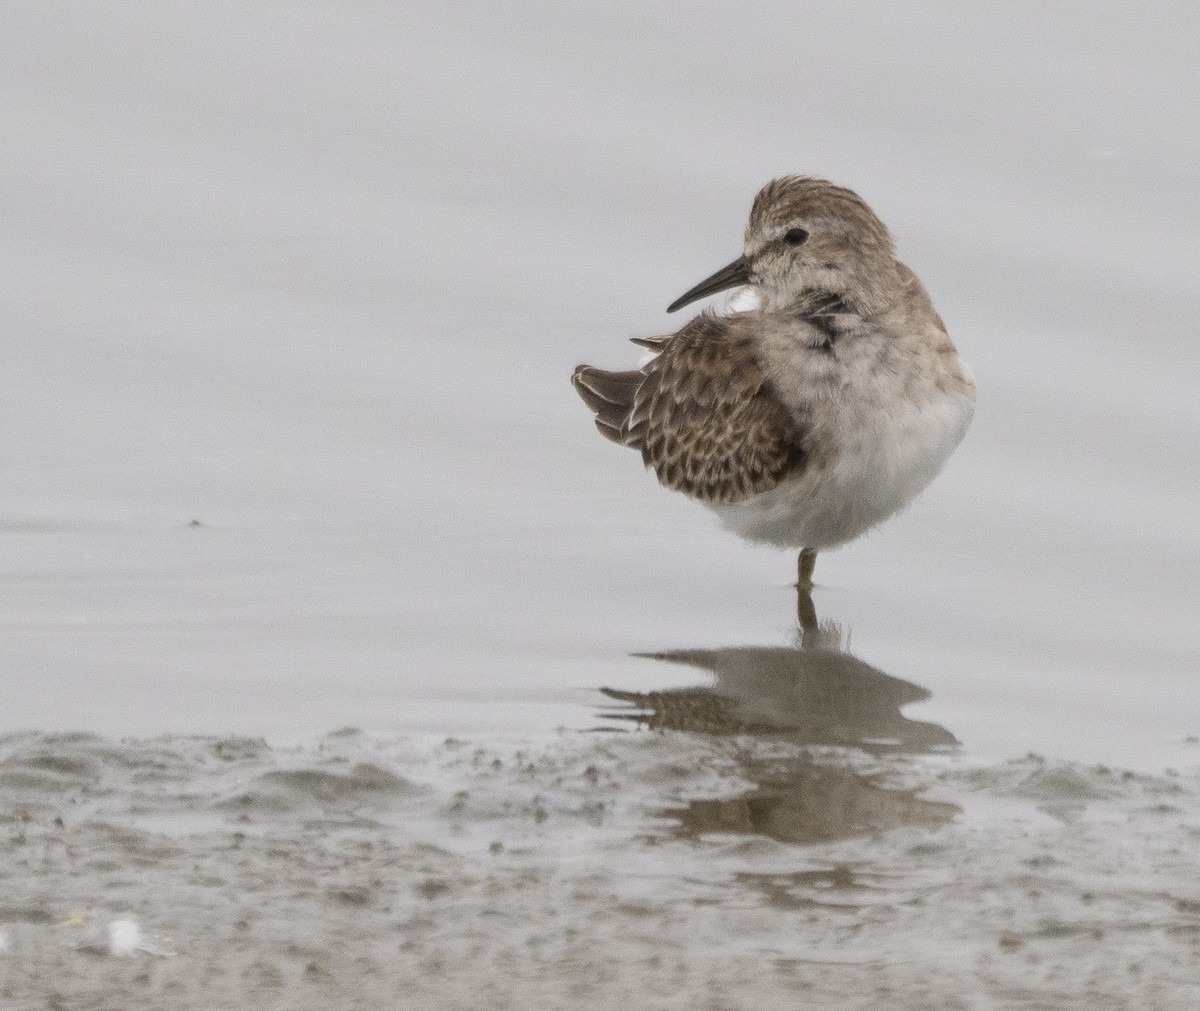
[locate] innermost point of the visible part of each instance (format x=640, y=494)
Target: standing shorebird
x=808, y=420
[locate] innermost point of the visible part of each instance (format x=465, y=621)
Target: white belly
x=877, y=463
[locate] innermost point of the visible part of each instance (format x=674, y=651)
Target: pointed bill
x=731, y=276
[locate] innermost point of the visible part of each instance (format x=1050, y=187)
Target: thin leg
x=806, y=614
x=804, y=568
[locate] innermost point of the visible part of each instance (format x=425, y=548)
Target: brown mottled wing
x=706, y=420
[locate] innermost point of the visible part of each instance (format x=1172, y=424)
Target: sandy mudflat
x=658, y=869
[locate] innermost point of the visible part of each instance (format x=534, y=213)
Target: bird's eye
x=795, y=237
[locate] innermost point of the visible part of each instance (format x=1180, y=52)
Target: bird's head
x=806, y=235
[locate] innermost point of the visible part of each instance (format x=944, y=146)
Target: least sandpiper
x=812, y=417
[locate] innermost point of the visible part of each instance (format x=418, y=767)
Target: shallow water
x=292, y=298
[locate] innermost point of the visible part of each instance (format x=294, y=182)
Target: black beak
x=735, y=274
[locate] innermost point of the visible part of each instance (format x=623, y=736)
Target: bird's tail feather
x=610, y=396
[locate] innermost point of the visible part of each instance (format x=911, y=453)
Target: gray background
x=315, y=275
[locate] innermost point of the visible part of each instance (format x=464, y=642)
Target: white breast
x=880, y=457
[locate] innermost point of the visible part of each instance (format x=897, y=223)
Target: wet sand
x=778, y=832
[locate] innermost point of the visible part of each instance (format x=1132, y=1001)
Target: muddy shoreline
x=544, y=871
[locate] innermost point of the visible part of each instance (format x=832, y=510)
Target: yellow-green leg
x=806, y=612
x=804, y=569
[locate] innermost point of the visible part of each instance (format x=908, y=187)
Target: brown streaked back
x=702, y=413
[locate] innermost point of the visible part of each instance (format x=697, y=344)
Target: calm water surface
x=291, y=304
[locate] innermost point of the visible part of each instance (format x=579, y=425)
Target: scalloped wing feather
x=706, y=420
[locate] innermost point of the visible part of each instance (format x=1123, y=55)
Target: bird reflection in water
x=833, y=707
